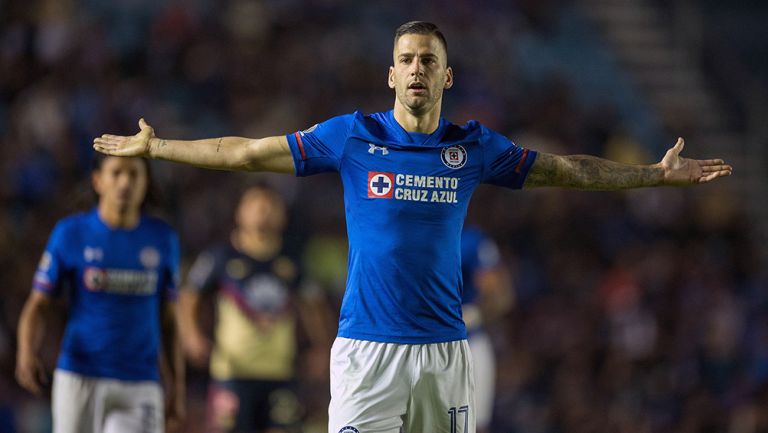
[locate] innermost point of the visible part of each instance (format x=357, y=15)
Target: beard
x=419, y=104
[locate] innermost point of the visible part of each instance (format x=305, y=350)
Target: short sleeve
x=504, y=163
x=202, y=274
x=51, y=265
x=319, y=149
x=171, y=271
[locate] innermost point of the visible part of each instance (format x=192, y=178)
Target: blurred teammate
x=485, y=283
x=255, y=346
x=117, y=268
x=401, y=360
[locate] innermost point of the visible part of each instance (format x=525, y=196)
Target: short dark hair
x=421, y=28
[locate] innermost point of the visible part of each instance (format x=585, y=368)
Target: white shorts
x=485, y=377
x=408, y=388
x=83, y=404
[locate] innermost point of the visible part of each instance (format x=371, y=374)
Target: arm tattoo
x=218, y=146
x=162, y=143
x=590, y=173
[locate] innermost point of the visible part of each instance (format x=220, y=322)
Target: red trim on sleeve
x=301, y=146
x=519, y=164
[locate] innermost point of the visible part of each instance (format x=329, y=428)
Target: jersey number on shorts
x=452, y=412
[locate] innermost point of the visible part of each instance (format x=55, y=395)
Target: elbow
x=251, y=159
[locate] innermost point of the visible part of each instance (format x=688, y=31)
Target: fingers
x=109, y=144
x=143, y=124
x=714, y=175
x=109, y=140
x=717, y=167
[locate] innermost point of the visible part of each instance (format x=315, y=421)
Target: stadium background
x=644, y=311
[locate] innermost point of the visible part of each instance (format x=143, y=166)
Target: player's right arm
x=30, y=372
x=222, y=153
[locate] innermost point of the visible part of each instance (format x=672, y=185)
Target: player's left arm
x=173, y=368
x=593, y=173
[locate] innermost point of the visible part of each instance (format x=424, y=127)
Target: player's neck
x=119, y=218
x=257, y=244
x=425, y=123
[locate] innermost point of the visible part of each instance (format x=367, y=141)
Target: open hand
x=684, y=171
x=119, y=145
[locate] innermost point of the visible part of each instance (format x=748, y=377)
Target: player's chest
x=118, y=265
x=261, y=286
x=443, y=174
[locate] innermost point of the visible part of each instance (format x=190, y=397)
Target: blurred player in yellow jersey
x=254, y=278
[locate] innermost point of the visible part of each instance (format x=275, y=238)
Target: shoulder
x=221, y=251
x=472, y=130
x=374, y=123
x=73, y=223
x=154, y=223
x=217, y=254
x=340, y=122
x=156, y=227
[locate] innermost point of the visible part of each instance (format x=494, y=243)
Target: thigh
x=134, y=407
x=443, y=395
x=485, y=376
x=73, y=403
x=370, y=386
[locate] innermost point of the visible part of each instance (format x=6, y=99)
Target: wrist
x=659, y=174
x=24, y=354
x=152, y=144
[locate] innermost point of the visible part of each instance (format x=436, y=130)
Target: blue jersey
x=115, y=280
x=478, y=253
x=406, y=197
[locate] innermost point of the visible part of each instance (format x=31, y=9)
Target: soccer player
x=255, y=278
x=401, y=358
x=118, y=268
x=485, y=282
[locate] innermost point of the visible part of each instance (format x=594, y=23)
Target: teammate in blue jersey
x=401, y=360
x=486, y=284
x=118, y=269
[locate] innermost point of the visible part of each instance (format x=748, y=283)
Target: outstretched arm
x=222, y=153
x=593, y=173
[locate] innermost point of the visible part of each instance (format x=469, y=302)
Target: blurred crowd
x=641, y=311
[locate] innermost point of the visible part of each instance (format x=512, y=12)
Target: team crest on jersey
x=94, y=279
x=349, y=429
x=454, y=156
x=149, y=257
x=380, y=185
